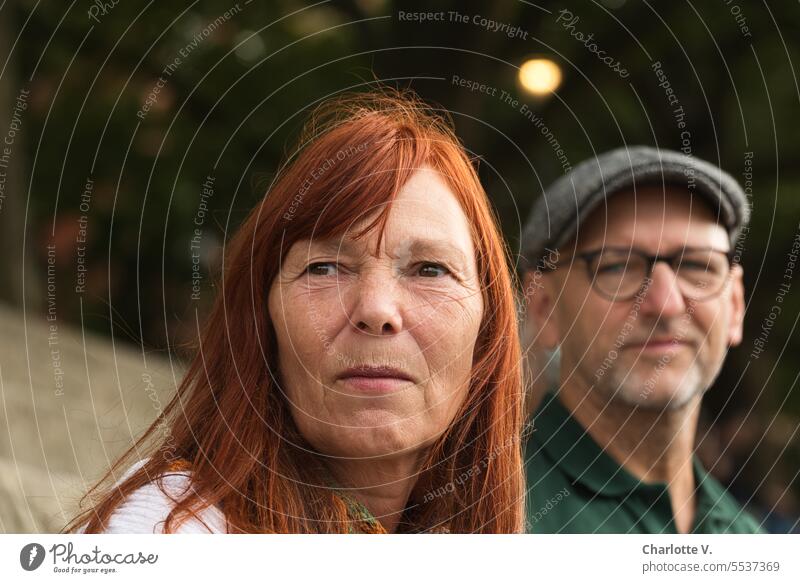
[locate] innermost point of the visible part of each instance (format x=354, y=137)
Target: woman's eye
x=326, y=268
x=432, y=270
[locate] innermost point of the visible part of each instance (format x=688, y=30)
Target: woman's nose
x=377, y=308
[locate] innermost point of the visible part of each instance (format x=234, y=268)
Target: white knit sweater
x=146, y=509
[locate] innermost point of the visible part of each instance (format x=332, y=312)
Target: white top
x=145, y=510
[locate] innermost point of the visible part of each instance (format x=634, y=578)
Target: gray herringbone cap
x=556, y=215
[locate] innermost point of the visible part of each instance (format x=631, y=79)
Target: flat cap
x=556, y=215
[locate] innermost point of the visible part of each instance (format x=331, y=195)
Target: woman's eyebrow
x=439, y=247
x=420, y=247
x=335, y=246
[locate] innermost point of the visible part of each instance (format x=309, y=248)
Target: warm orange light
x=540, y=76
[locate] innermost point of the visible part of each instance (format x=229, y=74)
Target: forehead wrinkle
x=644, y=233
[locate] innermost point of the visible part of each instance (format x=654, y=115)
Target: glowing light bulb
x=540, y=76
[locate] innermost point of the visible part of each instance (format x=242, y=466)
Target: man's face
x=661, y=348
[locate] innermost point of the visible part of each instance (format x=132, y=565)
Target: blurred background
x=134, y=137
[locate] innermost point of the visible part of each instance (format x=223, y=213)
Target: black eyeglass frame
x=588, y=256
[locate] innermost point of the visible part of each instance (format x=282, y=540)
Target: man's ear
x=735, y=329
x=539, y=308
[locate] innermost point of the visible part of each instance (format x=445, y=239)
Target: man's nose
x=663, y=296
x=377, y=309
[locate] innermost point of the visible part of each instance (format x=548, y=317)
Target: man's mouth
x=662, y=344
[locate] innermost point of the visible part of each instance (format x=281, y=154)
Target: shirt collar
x=559, y=436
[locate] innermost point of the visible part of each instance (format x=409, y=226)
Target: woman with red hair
x=359, y=371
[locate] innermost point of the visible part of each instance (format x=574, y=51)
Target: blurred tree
x=19, y=265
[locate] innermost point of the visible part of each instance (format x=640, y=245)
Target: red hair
x=230, y=420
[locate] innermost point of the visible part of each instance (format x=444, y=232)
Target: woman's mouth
x=375, y=379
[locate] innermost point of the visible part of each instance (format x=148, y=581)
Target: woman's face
x=375, y=352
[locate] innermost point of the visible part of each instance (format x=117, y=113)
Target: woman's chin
x=373, y=441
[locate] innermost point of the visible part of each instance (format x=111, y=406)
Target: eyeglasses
x=622, y=273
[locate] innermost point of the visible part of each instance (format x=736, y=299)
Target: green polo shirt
x=575, y=487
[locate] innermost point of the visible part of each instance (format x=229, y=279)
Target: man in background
x=630, y=275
